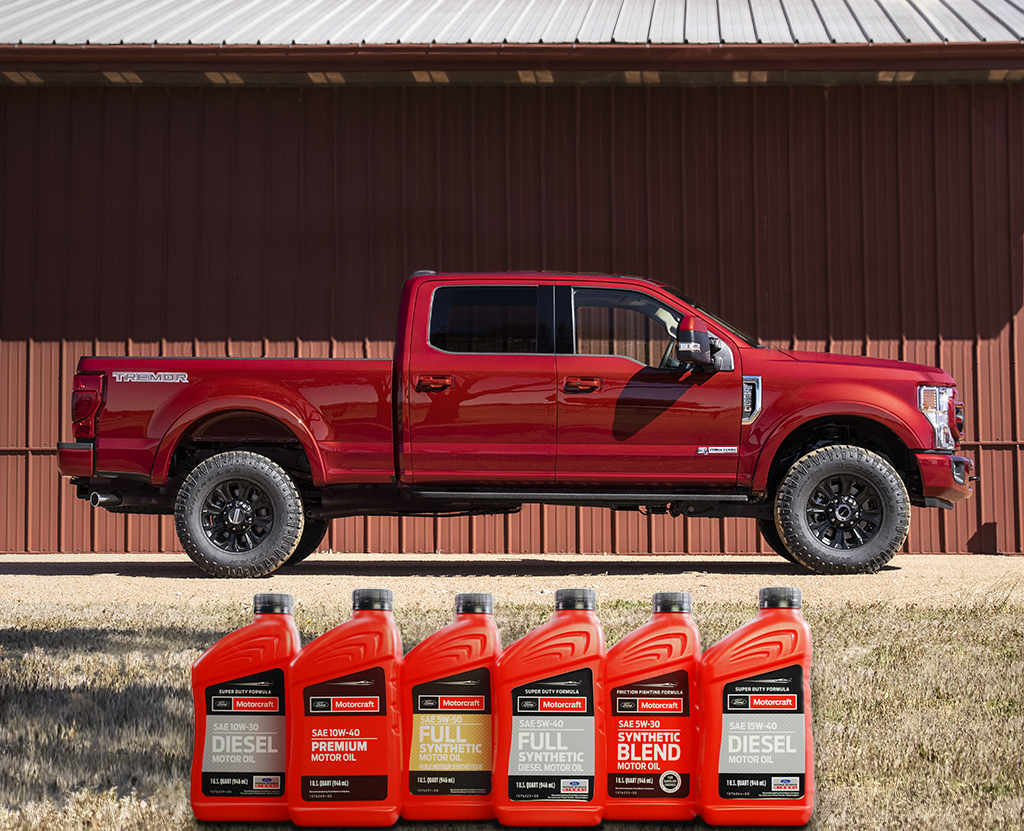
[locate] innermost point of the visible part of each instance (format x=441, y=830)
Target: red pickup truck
x=506, y=389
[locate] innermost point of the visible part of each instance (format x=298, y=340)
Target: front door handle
x=590, y=384
x=433, y=383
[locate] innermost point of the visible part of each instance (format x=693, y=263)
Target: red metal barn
x=845, y=177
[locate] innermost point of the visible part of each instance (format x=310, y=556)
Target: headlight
x=935, y=402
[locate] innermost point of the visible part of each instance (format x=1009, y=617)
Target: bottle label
x=244, y=749
x=649, y=754
x=552, y=755
x=344, y=738
x=763, y=737
x=450, y=753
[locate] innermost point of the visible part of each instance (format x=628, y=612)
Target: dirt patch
x=433, y=580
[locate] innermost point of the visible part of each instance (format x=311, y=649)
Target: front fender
x=770, y=434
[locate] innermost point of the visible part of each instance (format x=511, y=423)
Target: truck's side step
x=577, y=497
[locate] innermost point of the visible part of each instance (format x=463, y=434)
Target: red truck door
x=628, y=412
x=480, y=386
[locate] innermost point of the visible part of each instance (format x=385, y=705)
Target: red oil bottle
x=549, y=744
x=239, y=691
x=345, y=760
x=446, y=716
x=651, y=679
x=756, y=762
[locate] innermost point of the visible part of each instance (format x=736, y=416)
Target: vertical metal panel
x=877, y=221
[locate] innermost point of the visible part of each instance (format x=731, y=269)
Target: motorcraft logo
x=238, y=704
x=344, y=704
x=460, y=703
x=762, y=702
x=151, y=377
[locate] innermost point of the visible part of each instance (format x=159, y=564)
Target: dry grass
x=918, y=713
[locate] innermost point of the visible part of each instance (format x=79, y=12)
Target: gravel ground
x=432, y=581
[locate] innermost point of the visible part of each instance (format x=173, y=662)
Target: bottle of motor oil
x=239, y=690
x=756, y=762
x=345, y=761
x=446, y=716
x=651, y=678
x=549, y=746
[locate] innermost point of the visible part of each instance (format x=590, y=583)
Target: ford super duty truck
x=507, y=389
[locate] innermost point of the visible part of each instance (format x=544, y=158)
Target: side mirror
x=693, y=343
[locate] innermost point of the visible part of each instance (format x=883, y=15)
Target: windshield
x=748, y=339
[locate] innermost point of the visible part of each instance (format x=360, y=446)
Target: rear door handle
x=433, y=383
x=573, y=384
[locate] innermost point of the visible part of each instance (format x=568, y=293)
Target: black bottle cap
x=272, y=604
x=474, y=603
x=679, y=602
x=368, y=600
x=585, y=599
x=779, y=597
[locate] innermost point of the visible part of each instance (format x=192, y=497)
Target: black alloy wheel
x=238, y=514
x=842, y=510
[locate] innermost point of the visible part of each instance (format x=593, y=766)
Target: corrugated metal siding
x=883, y=221
x=284, y=22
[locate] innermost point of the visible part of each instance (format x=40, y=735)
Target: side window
x=625, y=323
x=485, y=319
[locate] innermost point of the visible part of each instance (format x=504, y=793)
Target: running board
x=574, y=498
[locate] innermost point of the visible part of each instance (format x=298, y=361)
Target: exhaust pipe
x=104, y=500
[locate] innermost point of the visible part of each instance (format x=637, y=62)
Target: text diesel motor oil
x=651, y=680
x=549, y=754
x=239, y=691
x=757, y=757
x=446, y=716
x=345, y=760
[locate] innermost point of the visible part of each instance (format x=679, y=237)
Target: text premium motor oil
x=549, y=758
x=239, y=691
x=651, y=681
x=446, y=716
x=756, y=762
x=345, y=760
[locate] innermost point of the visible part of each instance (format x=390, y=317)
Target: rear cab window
x=496, y=320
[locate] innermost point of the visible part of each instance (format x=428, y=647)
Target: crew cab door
x=629, y=412
x=480, y=385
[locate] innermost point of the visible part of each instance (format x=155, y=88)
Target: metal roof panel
x=874, y=21
x=600, y=21
x=565, y=22
x=841, y=24
x=770, y=21
x=241, y=22
x=702, y=22
x=668, y=21
x=805, y=22
x=736, y=22
x=949, y=24
x=634, y=23
x=982, y=21
x=910, y=23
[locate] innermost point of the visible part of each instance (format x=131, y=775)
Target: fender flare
x=297, y=427
x=779, y=432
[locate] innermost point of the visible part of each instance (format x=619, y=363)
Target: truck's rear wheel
x=238, y=514
x=842, y=510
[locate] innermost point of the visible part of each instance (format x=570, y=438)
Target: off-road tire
x=312, y=535
x=842, y=510
x=238, y=514
x=770, y=534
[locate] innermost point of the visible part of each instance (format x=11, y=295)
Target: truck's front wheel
x=238, y=514
x=842, y=510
